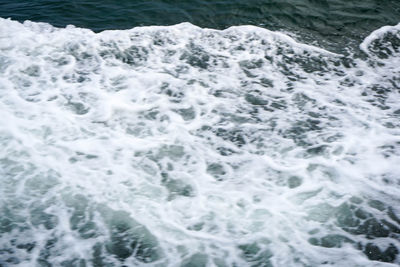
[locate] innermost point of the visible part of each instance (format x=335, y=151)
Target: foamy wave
x=168, y=146
x=379, y=35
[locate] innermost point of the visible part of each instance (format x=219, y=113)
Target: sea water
x=186, y=146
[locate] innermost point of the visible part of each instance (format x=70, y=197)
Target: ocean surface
x=334, y=24
x=200, y=133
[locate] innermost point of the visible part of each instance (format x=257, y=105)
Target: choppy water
x=184, y=146
x=334, y=24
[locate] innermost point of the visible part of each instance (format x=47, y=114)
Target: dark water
x=332, y=22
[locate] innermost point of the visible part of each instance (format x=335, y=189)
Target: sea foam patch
x=182, y=146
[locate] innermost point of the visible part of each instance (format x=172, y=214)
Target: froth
x=178, y=145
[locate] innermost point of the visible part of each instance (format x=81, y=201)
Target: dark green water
x=332, y=23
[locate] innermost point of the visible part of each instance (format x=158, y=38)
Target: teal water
x=207, y=143
x=335, y=23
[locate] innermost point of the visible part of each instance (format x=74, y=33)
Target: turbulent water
x=334, y=24
x=184, y=146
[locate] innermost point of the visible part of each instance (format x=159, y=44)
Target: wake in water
x=182, y=146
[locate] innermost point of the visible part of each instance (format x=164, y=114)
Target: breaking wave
x=183, y=146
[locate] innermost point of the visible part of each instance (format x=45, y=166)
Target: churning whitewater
x=183, y=146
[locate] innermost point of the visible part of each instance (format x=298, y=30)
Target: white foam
x=212, y=140
x=378, y=34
